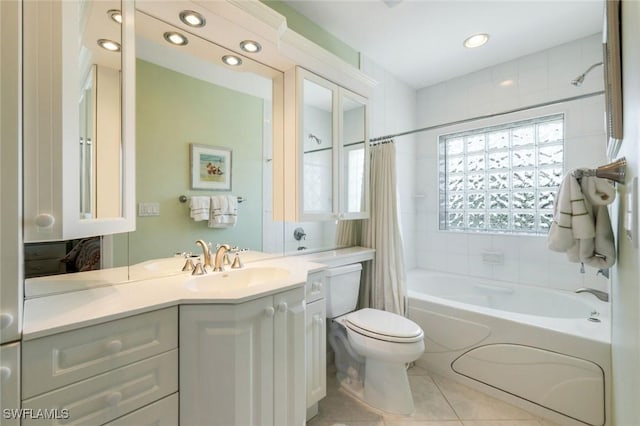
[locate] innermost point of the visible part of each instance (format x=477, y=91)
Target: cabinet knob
x=5, y=320
x=318, y=321
x=5, y=374
x=45, y=220
x=114, y=398
x=269, y=311
x=282, y=307
x=114, y=346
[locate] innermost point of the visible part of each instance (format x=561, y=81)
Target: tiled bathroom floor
x=438, y=402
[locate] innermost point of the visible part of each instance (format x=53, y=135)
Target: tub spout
x=604, y=296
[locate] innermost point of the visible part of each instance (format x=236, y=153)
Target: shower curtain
x=383, y=284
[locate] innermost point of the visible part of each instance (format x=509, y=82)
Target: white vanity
x=112, y=352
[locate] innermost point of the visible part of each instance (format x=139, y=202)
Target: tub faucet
x=221, y=253
x=604, y=296
x=206, y=253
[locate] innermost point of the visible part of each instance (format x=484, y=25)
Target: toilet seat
x=382, y=325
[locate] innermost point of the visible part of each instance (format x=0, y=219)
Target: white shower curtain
x=384, y=280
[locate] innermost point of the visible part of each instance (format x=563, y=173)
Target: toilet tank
x=343, y=285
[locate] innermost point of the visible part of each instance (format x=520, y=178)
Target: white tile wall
x=537, y=78
x=392, y=110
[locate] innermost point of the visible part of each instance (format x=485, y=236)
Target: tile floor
x=438, y=402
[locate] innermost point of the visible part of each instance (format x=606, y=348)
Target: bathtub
x=547, y=351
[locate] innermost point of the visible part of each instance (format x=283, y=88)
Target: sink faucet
x=597, y=293
x=206, y=253
x=220, y=255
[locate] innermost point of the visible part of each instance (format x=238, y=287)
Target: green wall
x=312, y=31
x=172, y=111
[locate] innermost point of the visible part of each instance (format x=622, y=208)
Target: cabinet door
x=289, y=368
x=354, y=152
x=317, y=135
x=9, y=383
x=226, y=364
x=316, y=352
x=78, y=182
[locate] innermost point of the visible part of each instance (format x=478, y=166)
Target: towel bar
x=184, y=199
x=615, y=171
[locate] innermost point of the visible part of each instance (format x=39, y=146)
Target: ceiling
x=420, y=41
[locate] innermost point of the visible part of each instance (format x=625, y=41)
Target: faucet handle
x=237, y=264
x=188, y=265
x=199, y=269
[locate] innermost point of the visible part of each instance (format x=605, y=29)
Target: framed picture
x=210, y=167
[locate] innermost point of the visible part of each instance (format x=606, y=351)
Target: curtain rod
x=481, y=117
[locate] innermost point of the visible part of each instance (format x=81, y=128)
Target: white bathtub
x=547, y=351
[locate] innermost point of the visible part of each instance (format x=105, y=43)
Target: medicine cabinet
x=326, y=150
x=79, y=115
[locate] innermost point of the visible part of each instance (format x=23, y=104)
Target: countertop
x=58, y=313
x=95, y=300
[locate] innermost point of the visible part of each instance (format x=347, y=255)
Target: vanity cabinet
x=243, y=364
x=79, y=115
x=326, y=150
x=315, y=341
x=99, y=373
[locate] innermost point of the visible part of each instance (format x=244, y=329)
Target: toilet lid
x=384, y=325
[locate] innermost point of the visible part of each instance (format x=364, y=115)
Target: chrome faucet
x=604, y=296
x=221, y=254
x=206, y=253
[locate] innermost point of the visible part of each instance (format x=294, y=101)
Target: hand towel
x=224, y=211
x=200, y=207
x=581, y=226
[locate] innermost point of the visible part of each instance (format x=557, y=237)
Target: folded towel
x=200, y=207
x=581, y=225
x=224, y=211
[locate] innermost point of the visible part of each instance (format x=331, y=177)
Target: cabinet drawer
x=110, y=395
x=160, y=413
x=45, y=251
x=58, y=360
x=316, y=286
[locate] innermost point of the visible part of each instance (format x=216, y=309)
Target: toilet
x=371, y=347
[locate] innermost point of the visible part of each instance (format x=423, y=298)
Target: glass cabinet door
x=355, y=151
x=317, y=139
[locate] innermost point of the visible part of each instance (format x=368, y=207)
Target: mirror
x=318, y=148
x=354, y=152
x=100, y=136
x=185, y=96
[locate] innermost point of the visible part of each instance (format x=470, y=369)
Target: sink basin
x=237, y=278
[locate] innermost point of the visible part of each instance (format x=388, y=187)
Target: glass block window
x=502, y=178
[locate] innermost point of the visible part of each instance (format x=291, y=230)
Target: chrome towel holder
x=615, y=171
x=184, y=199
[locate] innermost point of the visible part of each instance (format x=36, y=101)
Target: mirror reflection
x=318, y=148
x=353, y=155
x=186, y=97
x=100, y=140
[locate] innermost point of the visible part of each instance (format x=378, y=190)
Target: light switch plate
x=631, y=212
x=148, y=209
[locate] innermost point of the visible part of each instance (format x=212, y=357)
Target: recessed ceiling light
x=116, y=15
x=192, y=18
x=232, y=60
x=476, y=40
x=506, y=83
x=109, y=45
x=175, y=38
x=250, y=46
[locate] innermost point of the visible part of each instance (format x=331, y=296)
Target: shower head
x=580, y=79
